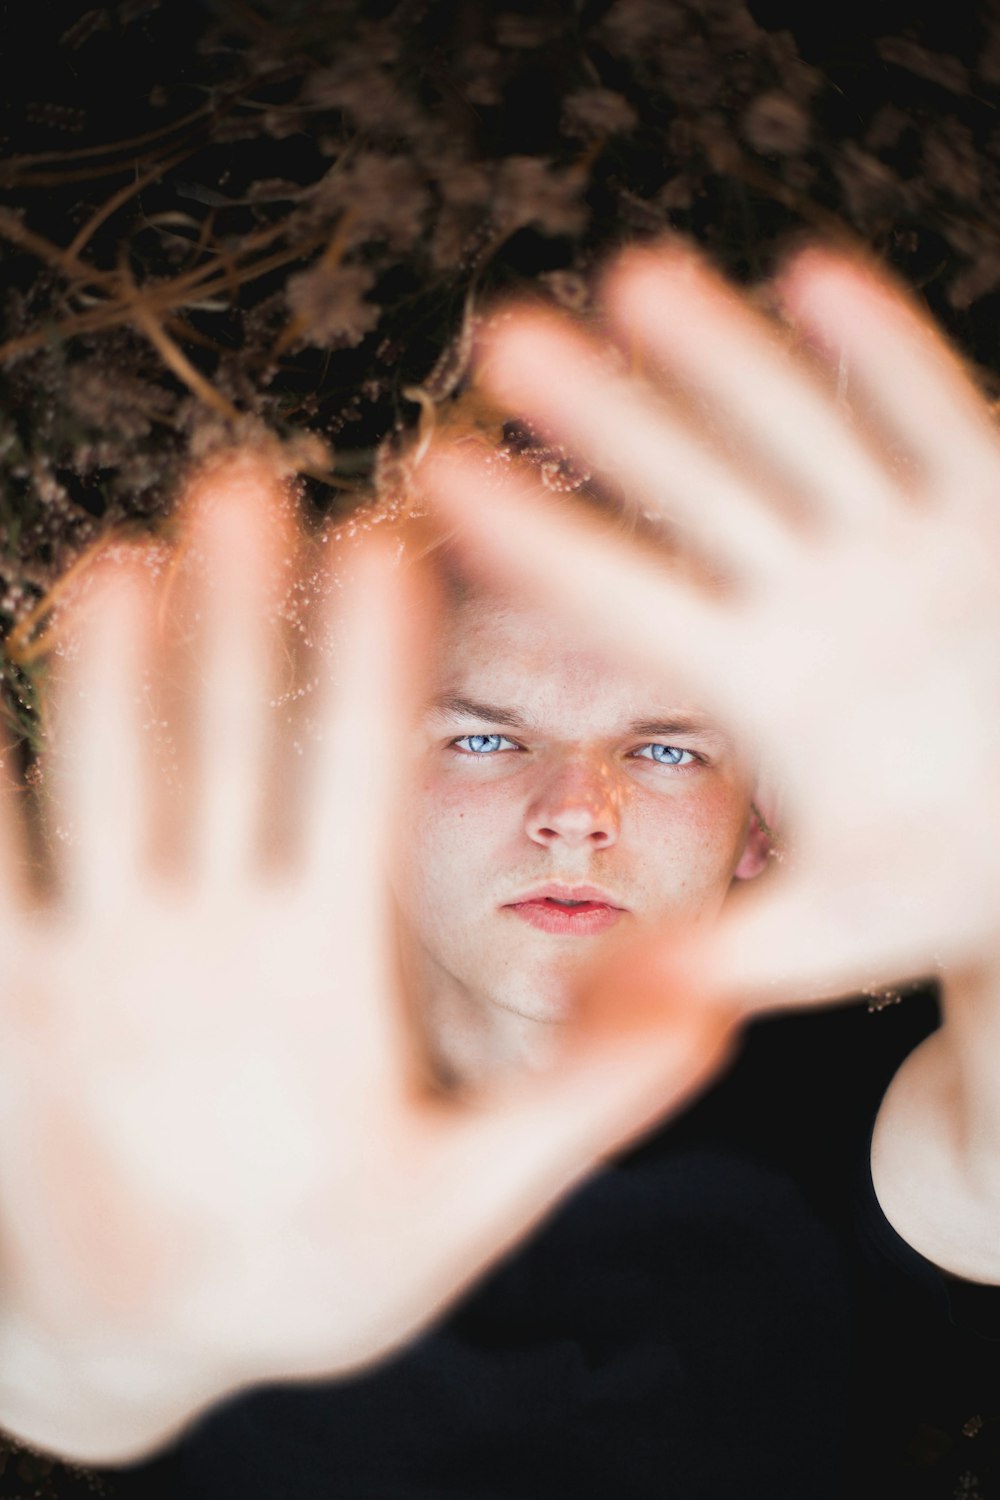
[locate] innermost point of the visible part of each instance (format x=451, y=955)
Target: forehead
x=519, y=655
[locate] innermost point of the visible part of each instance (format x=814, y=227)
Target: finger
x=241, y=541
x=622, y=598
x=557, y=378
x=903, y=370
x=351, y=798
x=805, y=941
x=697, y=327
x=99, y=807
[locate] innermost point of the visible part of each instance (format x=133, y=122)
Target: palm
x=848, y=623
x=222, y=1159
x=864, y=676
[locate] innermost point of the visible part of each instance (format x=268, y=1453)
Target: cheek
x=455, y=830
x=694, y=841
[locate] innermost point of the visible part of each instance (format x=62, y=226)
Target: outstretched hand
x=222, y=1159
x=832, y=482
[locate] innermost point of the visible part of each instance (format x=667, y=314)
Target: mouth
x=582, y=912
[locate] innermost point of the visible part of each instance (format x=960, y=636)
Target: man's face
x=561, y=802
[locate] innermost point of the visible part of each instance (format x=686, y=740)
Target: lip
x=598, y=913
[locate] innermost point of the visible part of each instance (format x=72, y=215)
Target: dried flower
x=592, y=114
x=466, y=183
x=776, y=125
x=951, y=160
x=530, y=190
x=329, y=304
x=980, y=273
x=478, y=74
x=383, y=195
x=871, y=189
x=950, y=72
x=513, y=29
x=887, y=126
x=367, y=95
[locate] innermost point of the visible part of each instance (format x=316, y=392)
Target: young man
x=690, y=1323
x=687, y=1320
x=561, y=804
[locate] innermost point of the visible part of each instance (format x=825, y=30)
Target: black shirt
x=722, y=1314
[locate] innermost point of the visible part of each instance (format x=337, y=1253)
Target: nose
x=576, y=805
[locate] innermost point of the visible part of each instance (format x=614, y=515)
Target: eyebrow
x=450, y=705
x=470, y=708
x=681, y=724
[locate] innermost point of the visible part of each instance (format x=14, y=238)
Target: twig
x=112, y=204
x=175, y=359
x=12, y=228
x=39, y=157
x=161, y=298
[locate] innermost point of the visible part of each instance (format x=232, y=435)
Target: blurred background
x=223, y=217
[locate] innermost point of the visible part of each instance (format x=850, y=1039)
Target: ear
x=756, y=850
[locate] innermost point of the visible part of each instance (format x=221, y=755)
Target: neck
x=474, y=1041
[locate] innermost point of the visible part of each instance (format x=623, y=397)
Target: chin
x=543, y=987
x=548, y=1003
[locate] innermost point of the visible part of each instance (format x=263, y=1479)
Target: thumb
x=801, y=942
x=650, y=1031
x=640, y=1048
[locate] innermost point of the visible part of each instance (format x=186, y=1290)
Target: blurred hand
x=221, y=1157
x=833, y=482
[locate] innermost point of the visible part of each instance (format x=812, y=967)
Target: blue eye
x=665, y=755
x=483, y=744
